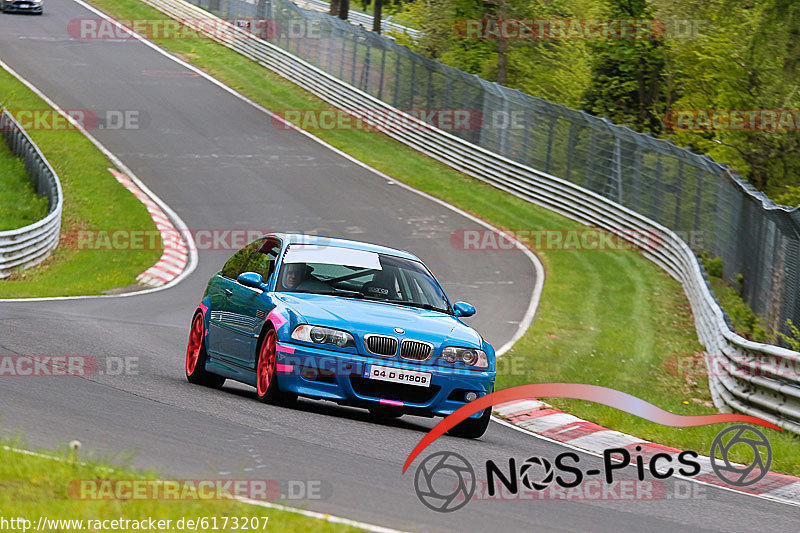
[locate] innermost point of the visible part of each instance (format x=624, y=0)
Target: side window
x=236, y=264
x=263, y=260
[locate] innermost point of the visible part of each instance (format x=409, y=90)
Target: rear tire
x=196, y=356
x=472, y=428
x=267, y=373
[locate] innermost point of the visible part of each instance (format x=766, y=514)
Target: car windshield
x=360, y=274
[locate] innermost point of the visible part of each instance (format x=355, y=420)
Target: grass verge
x=19, y=203
x=38, y=487
x=609, y=318
x=93, y=200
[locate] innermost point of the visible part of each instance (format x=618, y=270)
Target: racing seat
x=381, y=286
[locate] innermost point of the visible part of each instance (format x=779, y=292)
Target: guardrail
x=361, y=19
x=748, y=385
x=30, y=245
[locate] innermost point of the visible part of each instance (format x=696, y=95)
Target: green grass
x=19, y=203
x=34, y=487
x=93, y=200
x=745, y=321
x=610, y=318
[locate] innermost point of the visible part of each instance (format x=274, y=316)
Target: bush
x=791, y=197
x=714, y=267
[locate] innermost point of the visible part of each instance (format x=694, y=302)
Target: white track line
x=311, y=514
x=691, y=479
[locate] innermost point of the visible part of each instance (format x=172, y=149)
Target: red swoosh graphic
x=578, y=391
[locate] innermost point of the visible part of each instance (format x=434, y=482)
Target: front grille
x=381, y=345
x=416, y=350
x=393, y=391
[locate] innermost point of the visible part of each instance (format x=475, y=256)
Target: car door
x=223, y=338
x=249, y=309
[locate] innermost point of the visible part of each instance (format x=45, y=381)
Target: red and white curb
x=547, y=421
x=176, y=254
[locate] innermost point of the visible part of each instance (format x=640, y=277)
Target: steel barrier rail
x=773, y=398
x=32, y=244
x=360, y=19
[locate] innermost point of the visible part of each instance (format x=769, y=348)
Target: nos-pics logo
x=446, y=481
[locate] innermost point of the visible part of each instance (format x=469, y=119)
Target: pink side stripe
x=285, y=349
x=392, y=402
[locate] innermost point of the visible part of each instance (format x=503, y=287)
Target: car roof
x=299, y=238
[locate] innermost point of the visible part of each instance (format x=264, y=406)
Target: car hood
x=362, y=317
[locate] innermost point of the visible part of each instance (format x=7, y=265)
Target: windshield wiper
x=341, y=292
x=428, y=307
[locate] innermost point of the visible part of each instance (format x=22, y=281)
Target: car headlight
x=468, y=356
x=322, y=335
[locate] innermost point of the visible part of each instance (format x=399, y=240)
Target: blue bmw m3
x=354, y=323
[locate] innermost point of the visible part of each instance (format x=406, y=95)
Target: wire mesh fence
x=712, y=209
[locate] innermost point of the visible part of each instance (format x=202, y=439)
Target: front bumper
x=338, y=376
x=22, y=7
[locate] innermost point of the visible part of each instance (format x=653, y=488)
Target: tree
x=745, y=57
x=340, y=8
x=557, y=70
x=627, y=82
x=376, y=16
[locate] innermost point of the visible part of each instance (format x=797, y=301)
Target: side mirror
x=250, y=279
x=463, y=309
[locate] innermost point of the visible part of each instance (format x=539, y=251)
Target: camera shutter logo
x=456, y=483
x=526, y=475
x=744, y=436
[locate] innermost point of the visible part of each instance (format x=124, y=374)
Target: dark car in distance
x=35, y=7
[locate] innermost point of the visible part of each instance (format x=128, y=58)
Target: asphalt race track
x=220, y=164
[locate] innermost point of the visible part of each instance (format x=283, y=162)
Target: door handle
x=228, y=292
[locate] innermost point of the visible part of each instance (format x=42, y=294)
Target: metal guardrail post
x=32, y=244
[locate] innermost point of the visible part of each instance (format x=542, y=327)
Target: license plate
x=398, y=375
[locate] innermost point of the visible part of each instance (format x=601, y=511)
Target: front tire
x=472, y=428
x=267, y=373
x=196, y=356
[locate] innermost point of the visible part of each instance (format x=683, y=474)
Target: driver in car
x=297, y=276
x=294, y=275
